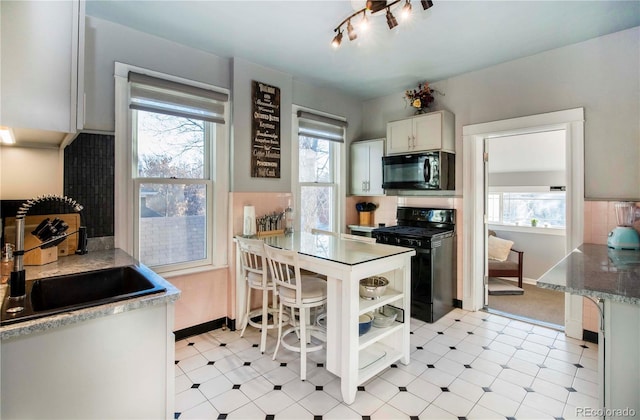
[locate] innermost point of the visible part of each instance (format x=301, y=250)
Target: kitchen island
x=610, y=278
x=113, y=360
x=356, y=359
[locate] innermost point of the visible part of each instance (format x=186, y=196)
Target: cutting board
x=66, y=247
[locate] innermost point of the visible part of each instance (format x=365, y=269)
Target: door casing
x=473, y=223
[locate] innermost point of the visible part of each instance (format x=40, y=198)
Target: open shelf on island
x=368, y=305
x=375, y=334
x=376, y=358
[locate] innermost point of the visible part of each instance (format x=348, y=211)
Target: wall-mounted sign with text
x=265, y=131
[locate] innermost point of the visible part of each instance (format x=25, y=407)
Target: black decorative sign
x=265, y=131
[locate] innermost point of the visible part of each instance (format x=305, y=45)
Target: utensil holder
x=366, y=218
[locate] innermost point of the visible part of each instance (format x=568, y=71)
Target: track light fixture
x=372, y=8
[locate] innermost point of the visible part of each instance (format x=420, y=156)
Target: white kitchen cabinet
x=432, y=131
x=42, y=56
x=366, y=167
x=90, y=369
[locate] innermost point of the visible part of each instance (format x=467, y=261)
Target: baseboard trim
x=590, y=336
x=205, y=327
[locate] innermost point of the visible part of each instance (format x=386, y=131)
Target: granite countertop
x=80, y=263
x=597, y=271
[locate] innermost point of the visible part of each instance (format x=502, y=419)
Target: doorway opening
x=475, y=226
x=525, y=202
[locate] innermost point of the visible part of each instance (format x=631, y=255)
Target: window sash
x=333, y=198
x=209, y=142
x=208, y=223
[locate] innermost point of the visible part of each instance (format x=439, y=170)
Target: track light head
x=351, y=32
x=426, y=4
x=364, y=23
x=337, y=40
x=391, y=20
x=406, y=9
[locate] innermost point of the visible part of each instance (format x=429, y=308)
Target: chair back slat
x=285, y=270
x=253, y=258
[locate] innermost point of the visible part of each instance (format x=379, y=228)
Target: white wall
x=601, y=75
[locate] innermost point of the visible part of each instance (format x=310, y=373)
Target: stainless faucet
x=17, y=282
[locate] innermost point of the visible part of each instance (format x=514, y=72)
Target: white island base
x=356, y=359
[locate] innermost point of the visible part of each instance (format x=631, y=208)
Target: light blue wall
x=541, y=252
x=601, y=75
x=107, y=42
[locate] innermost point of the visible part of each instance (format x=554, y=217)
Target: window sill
x=192, y=270
x=529, y=229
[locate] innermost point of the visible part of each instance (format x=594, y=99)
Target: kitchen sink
x=54, y=295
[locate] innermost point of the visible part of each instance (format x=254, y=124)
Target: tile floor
x=467, y=365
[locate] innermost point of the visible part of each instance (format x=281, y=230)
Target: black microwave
x=419, y=171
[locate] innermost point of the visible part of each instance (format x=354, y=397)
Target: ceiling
x=451, y=38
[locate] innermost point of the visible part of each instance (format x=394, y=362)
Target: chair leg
x=275, y=352
x=293, y=321
x=265, y=319
x=247, y=310
x=303, y=344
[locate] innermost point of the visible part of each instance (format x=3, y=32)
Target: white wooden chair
x=257, y=277
x=299, y=293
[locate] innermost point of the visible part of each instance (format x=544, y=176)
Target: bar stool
x=256, y=274
x=299, y=293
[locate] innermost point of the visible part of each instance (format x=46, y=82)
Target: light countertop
x=597, y=271
x=333, y=248
x=80, y=263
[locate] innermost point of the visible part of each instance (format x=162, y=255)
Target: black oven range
x=431, y=232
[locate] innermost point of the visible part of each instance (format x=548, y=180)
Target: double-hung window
x=320, y=142
x=175, y=129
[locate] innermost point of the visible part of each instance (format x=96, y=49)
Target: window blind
x=321, y=127
x=148, y=93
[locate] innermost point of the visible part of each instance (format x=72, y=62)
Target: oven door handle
x=426, y=170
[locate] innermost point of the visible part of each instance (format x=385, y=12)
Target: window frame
x=500, y=191
x=337, y=150
x=126, y=197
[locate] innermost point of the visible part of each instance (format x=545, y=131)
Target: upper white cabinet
x=366, y=167
x=432, y=131
x=42, y=57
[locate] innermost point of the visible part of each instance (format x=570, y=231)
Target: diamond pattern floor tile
x=467, y=365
